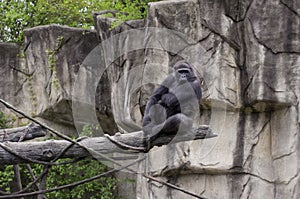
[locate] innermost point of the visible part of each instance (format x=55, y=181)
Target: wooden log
x=49, y=150
x=28, y=132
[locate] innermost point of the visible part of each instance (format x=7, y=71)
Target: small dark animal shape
x=172, y=106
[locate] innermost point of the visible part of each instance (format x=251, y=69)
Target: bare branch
x=28, y=132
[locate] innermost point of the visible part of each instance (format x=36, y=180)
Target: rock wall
x=247, y=54
x=10, y=81
x=38, y=77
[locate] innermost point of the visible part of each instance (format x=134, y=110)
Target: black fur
x=173, y=105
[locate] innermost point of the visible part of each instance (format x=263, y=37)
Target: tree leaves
x=16, y=15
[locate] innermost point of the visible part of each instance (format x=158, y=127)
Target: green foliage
x=16, y=15
x=89, y=130
x=64, y=174
x=6, y=177
x=130, y=9
x=102, y=188
x=3, y=120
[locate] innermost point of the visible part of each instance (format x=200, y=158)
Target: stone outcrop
x=247, y=54
x=11, y=83
x=43, y=72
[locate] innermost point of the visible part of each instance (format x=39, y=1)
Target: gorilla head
x=183, y=72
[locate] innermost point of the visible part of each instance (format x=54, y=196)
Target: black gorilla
x=173, y=105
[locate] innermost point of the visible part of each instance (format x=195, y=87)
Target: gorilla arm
x=183, y=93
x=187, y=100
x=197, y=88
x=154, y=99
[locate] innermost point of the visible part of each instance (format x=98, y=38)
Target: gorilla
x=172, y=106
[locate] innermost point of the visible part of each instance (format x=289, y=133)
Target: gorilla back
x=172, y=106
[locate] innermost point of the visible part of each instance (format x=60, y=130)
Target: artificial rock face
x=39, y=78
x=249, y=61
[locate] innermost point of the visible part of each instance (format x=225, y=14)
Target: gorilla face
x=183, y=72
x=183, y=75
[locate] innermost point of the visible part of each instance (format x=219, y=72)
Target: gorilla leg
x=173, y=125
x=157, y=114
x=176, y=123
x=153, y=122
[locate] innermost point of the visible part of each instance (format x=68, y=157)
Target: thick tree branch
x=52, y=131
x=49, y=150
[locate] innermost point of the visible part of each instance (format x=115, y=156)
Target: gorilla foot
x=203, y=132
